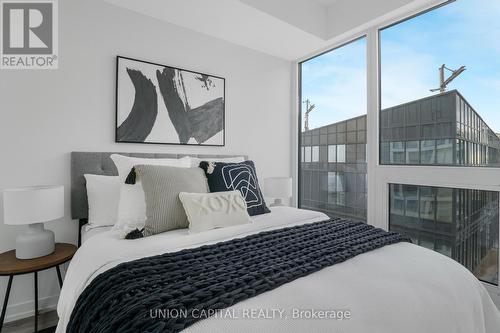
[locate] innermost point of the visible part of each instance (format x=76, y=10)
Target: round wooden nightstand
x=10, y=266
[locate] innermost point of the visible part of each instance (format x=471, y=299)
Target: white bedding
x=398, y=288
x=89, y=230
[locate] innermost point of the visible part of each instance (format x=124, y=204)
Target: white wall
x=47, y=114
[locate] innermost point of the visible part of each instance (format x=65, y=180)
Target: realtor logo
x=29, y=34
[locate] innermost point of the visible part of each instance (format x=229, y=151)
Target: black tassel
x=131, y=178
x=204, y=166
x=134, y=234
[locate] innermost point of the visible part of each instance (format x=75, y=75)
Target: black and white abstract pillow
x=237, y=177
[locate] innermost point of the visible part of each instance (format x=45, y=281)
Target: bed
x=88, y=231
x=396, y=288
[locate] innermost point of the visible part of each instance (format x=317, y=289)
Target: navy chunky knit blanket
x=216, y=276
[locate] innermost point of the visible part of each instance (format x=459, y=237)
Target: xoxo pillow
x=207, y=211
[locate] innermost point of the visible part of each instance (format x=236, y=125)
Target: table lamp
x=278, y=188
x=33, y=206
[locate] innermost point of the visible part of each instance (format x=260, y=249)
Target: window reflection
x=413, y=152
x=341, y=153
x=427, y=153
x=307, y=154
x=416, y=133
x=459, y=223
x=332, y=154
x=315, y=154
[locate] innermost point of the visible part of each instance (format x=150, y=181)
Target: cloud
x=343, y=99
x=462, y=33
x=406, y=75
x=465, y=32
x=336, y=83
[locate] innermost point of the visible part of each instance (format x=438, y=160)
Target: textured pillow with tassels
x=162, y=185
x=132, y=204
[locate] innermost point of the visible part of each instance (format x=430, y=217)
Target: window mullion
x=372, y=127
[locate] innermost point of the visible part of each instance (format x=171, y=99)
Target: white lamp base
x=34, y=243
x=277, y=203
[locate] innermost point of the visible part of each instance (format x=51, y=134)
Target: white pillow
x=195, y=161
x=206, y=211
x=103, y=195
x=132, y=206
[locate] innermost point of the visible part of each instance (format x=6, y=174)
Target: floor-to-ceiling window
x=459, y=223
x=439, y=110
x=332, y=139
x=432, y=82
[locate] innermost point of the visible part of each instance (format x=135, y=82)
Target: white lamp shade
x=278, y=187
x=36, y=204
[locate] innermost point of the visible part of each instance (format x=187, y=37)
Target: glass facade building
x=459, y=223
x=333, y=169
x=438, y=130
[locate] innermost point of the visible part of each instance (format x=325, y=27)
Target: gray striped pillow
x=162, y=185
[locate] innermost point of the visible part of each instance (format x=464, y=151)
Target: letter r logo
x=27, y=27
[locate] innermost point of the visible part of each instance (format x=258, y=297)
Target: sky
x=464, y=32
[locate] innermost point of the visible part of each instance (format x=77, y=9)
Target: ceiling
x=326, y=2
x=287, y=29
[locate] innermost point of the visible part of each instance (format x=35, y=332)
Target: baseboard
x=27, y=309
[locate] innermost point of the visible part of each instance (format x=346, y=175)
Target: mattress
x=397, y=288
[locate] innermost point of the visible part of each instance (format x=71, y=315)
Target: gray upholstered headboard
x=100, y=163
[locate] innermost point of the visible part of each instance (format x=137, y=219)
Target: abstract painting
x=167, y=105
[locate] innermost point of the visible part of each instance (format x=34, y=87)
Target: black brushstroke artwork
x=206, y=121
x=142, y=117
x=198, y=122
x=173, y=102
x=206, y=81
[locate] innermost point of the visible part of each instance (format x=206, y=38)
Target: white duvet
x=394, y=289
